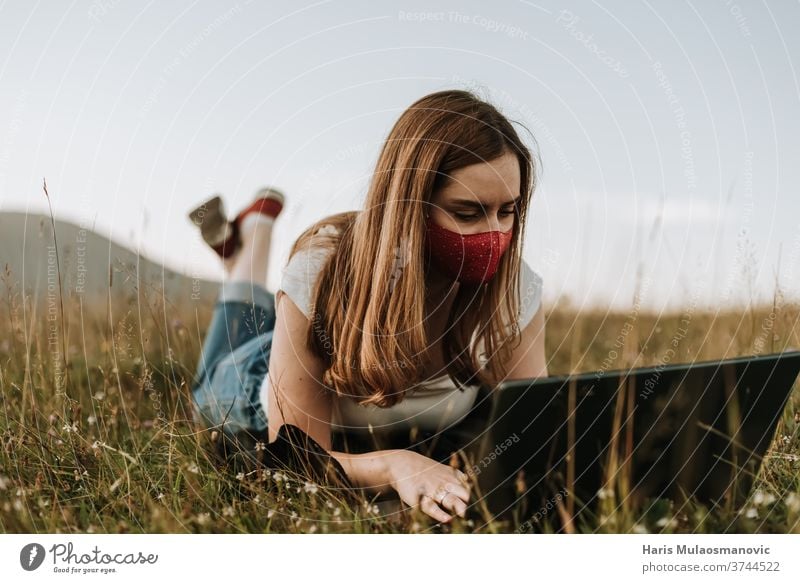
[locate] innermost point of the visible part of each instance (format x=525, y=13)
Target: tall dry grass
x=96, y=437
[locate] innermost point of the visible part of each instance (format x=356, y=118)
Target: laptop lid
x=563, y=445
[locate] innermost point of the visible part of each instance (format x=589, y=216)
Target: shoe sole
x=210, y=217
x=273, y=193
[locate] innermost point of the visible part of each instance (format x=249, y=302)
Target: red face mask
x=471, y=259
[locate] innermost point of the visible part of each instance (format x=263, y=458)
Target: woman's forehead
x=496, y=182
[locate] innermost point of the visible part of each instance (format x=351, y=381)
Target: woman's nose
x=494, y=223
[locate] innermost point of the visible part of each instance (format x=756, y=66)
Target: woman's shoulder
x=299, y=275
x=530, y=293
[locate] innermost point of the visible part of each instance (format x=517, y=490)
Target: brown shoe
x=220, y=233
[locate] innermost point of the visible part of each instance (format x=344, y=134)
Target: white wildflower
x=91, y=420
x=270, y=513
x=228, y=511
x=751, y=513
x=604, y=493
x=639, y=528
x=203, y=518
x=99, y=395
x=240, y=476
x=763, y=499
x=193, y=468
x=793, y=502
x=666, y=522
x=310, y=487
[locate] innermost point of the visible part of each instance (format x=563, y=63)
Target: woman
x=390, y=319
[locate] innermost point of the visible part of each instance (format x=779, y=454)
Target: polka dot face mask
x=471, y=259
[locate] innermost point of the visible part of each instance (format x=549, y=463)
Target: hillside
x=91, y=264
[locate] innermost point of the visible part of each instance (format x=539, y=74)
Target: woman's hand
x=435, y=487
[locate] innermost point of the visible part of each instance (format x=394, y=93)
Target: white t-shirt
x=434, y=405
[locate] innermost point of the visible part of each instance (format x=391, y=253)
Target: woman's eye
x=463, y=217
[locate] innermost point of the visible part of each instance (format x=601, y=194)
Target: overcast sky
x=669, y=131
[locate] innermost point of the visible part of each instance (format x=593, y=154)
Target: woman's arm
x=296, y=393
x=417, y=479
x=298, y=396
x=528, y=360
x=369, y=471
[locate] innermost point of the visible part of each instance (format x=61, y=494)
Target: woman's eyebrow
x=476, y=204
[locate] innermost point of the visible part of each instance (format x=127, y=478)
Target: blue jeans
x=233, y=361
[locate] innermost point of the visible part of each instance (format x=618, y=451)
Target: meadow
x=96, y=437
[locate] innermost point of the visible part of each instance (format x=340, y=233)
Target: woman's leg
x=243, y=303
x=242, y=311
x=252, y=260
x=243, y=319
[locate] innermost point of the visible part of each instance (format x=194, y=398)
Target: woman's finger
x=454, y=504
x=432, y=509
x=463, y=479
x=460, y=490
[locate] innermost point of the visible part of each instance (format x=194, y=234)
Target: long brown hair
x=367, y=319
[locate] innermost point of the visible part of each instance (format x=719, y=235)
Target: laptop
x=555, y=449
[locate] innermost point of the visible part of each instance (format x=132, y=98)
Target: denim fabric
x=234, y=359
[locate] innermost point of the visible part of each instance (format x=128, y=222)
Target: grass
x=97, y=439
